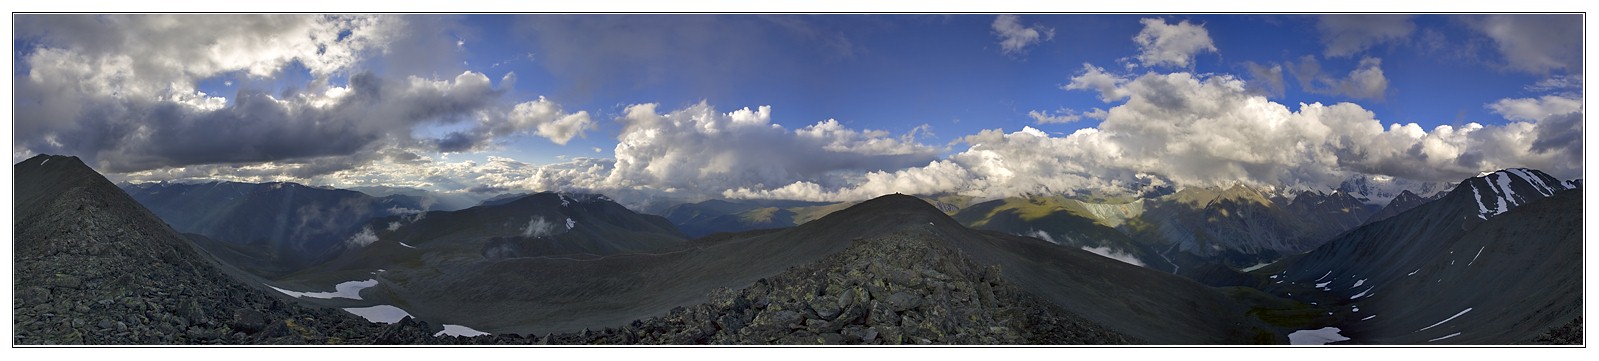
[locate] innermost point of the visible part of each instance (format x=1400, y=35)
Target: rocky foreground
x=900, y=288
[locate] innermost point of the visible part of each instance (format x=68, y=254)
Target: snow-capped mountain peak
x=1379, y=190
x=1499, y=191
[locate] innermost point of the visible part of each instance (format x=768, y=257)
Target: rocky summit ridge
x=94, y=267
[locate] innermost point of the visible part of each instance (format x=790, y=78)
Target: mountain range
x=294, y=224
x=1233, y=265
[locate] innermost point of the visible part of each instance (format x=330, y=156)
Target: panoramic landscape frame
x=817, y=170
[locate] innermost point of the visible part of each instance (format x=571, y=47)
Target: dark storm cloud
x=120, y=90
x=127, y=135
x=1560, y=133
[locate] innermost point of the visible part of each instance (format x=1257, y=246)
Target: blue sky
x=902, y=71
x=946, y=79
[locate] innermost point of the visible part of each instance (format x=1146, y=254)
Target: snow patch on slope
x=1107, y=252
x=1468, y=309
x=1320, y=336
x=349, y=290
x=458, y=330
x=379, y=313
x=1504, y=196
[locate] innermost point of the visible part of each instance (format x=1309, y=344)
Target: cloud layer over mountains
x=121, y=91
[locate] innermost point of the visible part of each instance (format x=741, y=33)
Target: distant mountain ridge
x=429, y=200
x=300, y=224
x=1404, y=202
x=713, y=216
x=541, y=224
x=1381, y=190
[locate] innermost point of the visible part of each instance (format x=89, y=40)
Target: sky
x=813, y=107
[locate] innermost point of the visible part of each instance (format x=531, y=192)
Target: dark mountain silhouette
x=1401, y=203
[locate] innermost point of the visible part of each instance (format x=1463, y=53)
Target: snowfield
x=1320, y=336
x=379, y=313
x=349, y=290
x=458, y=330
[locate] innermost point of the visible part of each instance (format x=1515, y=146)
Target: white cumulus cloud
x=1199, y=130
x=1171, y=44
x=1097, y=79
x=546, y=118
x=1061, y=116
x=1535, y=109
x=1014, y=38
x=700, y=150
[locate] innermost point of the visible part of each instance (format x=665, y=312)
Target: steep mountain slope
x=299, y=225
x=92, y=266
x=1324, y=215
x=1496, y=261
x=502, y=199
x=713, y=216
x=1059, y=220
x=1241, y=227
x=1401, y=203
